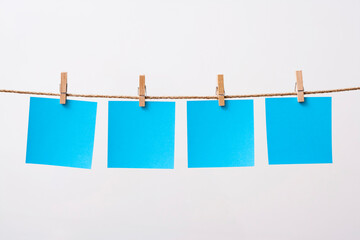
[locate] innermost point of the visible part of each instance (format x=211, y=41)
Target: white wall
x=181, y=46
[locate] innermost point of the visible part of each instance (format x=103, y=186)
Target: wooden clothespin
x=63, y=88
x=142, y=91
x=220, y=90
x=299, y=86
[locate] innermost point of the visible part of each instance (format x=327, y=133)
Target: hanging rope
x=182, y=97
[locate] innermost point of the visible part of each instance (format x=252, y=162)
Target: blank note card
x=141, y=137
x=220, y=136
x=299, y=133
x=61, y=135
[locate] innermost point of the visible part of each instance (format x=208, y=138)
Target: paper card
x=61, y=134
x=299, y=133
x=141, y=137
x=220, y=136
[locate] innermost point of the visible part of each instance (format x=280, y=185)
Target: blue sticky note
x=61, y=134
x=299, y=133
x=220, y=136
x=141, y=137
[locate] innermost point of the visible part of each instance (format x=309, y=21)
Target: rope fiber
x=182, y=97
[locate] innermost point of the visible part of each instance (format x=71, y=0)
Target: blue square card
x=141, y=137
x=220, y=136
x=299, y=133
x=61, y=134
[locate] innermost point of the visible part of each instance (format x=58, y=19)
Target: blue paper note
x=61, y=135
x=220, y=136
x=299, y=133
x=141, y=137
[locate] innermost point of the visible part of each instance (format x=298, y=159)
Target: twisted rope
x=182, y=97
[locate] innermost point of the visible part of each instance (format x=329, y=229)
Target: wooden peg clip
x=63, y=88
x=299, y=86
x=220, y=90
x=142, y=91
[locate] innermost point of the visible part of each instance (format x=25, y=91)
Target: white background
x=180, y=46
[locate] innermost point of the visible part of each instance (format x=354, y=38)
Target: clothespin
x=63, y=88
x=142, y=91
x=299, y=86
x=220, y=91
